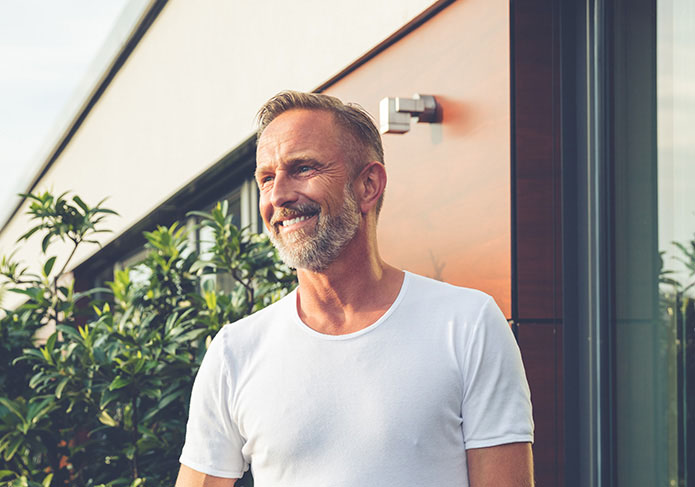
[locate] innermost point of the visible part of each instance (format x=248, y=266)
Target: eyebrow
x=295, y=161
x=301, y=160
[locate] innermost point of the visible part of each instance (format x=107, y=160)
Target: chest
x=321, y=402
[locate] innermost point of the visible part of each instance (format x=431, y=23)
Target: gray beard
x=316, y=252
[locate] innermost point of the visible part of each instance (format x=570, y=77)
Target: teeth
x=286, y=223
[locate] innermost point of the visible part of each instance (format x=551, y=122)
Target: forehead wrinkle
x=292, y=145
x=285, y=142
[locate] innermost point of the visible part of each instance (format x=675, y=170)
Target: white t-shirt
x=396, y=403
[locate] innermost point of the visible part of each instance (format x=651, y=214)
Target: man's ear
x=371, y=183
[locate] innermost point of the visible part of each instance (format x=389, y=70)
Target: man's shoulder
x=433, y=290
x=253, y=327
x=441, y=302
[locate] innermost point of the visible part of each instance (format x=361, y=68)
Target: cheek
x=265, y=208
x=330, y=193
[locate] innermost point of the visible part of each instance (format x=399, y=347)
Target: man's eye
x=265, y=180
x=303, y=169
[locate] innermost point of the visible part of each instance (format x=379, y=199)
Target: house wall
x=447, y=210
x=188, y=93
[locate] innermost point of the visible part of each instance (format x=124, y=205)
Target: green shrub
x=103, y=401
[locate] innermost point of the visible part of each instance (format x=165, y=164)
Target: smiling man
x=365, y=375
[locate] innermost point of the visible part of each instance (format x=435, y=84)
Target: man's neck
x=349, y=295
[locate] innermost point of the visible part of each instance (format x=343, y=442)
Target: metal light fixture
x=395, y=113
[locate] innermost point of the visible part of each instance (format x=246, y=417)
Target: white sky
x=46, y=49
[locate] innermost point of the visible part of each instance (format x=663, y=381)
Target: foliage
x=677, y=337
x=103, y=400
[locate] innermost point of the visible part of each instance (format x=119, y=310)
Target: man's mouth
x=286, y=223
x=295, y=222
x=286, y=217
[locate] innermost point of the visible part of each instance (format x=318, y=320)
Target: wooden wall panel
x=537, y=161
x=538, y=243
x=541, y=349
x=447, y=210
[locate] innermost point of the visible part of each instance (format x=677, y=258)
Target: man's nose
x=284, y=190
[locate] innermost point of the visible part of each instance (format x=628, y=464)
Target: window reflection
x=655, y=243
x=676, y=216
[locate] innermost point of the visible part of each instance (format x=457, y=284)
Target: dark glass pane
x=654, y=196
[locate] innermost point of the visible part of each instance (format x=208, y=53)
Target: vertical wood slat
x=541, y=349
x=537, y=237
x=537, y=162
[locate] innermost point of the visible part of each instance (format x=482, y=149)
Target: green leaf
x=29, y=352
x=6, y=473
x=126, y=339
x=38, y=410
x=46, y=242
x=51, y=342
x=30, y=233
x=48, y=266
x=32, y=292
x=99, y=354
x=80, y=203
x=164, y=402
x=12, y=448
x=90, y=292
x=69, y=331
x=47, y=356
x=106, y=398
x=129, y=452
x=201, y=214
x=106, y=210
x=47, y=481
x=105, y=418
x=119, y=382
x=211, y=300
x=61, y=386
x=191, y=335
x=37, y=379
x=13, y=407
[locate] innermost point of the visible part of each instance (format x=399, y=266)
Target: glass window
x=243, y=206
x=654, y=239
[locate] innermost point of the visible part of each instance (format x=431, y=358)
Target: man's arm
x=192, y=478
x=509, y=465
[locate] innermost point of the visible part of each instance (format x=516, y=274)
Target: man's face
x=306, y=200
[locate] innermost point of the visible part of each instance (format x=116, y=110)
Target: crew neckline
x=348, y=336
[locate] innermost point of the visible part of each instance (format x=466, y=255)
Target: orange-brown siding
x=447, y=209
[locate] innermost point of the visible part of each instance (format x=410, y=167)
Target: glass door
x=654, y=242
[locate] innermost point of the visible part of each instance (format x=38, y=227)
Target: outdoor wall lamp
x=395, y=113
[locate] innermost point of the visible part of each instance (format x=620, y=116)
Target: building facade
x=559, y=179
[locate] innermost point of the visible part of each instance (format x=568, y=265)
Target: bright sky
x=47, y=58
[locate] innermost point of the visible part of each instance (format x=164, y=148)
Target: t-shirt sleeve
x=213, y=442
x=496, y=406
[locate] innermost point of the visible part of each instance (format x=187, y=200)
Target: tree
x=105, y=402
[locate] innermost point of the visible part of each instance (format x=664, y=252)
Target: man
x=365, y=375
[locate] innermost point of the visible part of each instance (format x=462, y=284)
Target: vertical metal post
x=586, y=244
